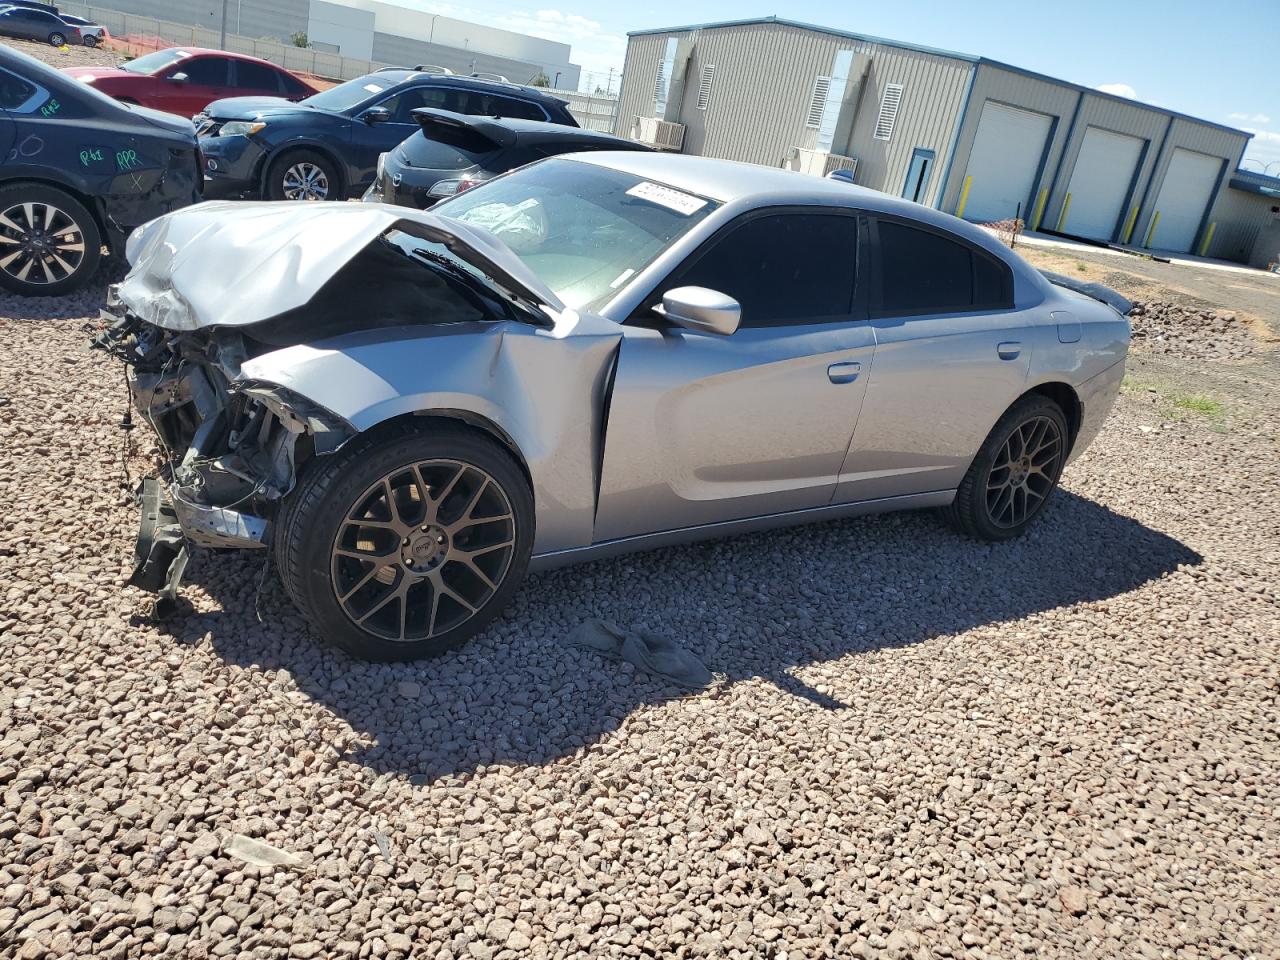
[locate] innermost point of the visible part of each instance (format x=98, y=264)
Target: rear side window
x=255, y=76
x=926, y=272
x=787, y=268
x=483, y=104
x=17, y=95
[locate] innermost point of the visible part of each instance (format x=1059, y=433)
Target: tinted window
x=924, y=272
x=15, y=93
x=516, y=109
x=206, y=71
x=293, y=86
x=447, y=148
x=403, y=103
x=255, y=76
x=786, y=268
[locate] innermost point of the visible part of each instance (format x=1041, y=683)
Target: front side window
x=926, y=272
x=786, y=268
x=584, y=230
x=205, y=71
x=404, y=103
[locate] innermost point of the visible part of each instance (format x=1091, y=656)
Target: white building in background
x=391, y=32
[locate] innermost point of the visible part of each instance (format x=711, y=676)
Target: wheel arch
x=295, y=146
x=90, y=202
x=1068, y=401
x=469, y=418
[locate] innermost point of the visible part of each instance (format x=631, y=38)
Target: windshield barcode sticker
x=682, y=203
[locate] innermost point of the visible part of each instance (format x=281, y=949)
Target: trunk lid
x=233, y=264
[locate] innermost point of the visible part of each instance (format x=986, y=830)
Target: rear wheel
x=1015, y=472
x=302, y=175
x=57, y=39
x=90, y=41
x=49, y=242
x=405, y=545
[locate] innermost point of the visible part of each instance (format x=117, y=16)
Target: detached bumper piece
x=160, y=555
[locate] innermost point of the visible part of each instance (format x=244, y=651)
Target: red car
x=184, y=80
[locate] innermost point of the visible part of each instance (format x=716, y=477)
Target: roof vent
x=888, y=111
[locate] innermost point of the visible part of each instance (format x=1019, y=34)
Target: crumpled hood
x=232, y=264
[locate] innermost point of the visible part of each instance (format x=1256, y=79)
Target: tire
x=90, y=41
x=303, y=175
x=53, y=255
x=57, y=39
x=1015, y=473
x=338, y=569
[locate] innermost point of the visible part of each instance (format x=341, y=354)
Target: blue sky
x=1217, y=61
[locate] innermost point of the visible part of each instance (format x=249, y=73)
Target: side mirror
x=697, y=308
x=376, y=115
x=178, y=78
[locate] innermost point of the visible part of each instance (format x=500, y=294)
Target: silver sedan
x=592, y=355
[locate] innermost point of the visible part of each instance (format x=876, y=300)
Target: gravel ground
x=917, y=745
x=70, y=57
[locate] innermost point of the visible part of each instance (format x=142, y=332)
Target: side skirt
x=733, y=528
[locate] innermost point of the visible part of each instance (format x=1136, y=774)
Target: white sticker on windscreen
x=680, y=202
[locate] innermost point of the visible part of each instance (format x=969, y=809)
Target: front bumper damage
x=231, y=447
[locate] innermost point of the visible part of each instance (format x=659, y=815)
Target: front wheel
x=406, y=544
x=1015, y=472
x=49, y=242
x=302, y=175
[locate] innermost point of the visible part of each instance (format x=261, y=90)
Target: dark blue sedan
x=326, y=147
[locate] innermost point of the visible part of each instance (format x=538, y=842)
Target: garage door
x=1100, y=183
x=1004, y=161
x=1184, y=196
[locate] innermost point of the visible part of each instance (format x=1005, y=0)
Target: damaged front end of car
x=231, y=446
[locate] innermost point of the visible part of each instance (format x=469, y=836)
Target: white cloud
x=1249, y=118
x=1119, y=90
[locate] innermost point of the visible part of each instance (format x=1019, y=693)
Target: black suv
x=453, y=153
x=326, y=147
x=79, y=170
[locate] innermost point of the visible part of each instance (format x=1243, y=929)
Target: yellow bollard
x=1129, y=225
x=1151, y=230
x=1062, y=217
x=1044, y=198
x=964, y=196
x=1208, y=239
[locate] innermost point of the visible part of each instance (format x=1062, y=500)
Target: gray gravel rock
x=919, y=746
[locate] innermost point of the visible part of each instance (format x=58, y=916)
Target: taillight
x=465, y=184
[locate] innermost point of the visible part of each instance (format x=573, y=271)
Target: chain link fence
x=138, y=35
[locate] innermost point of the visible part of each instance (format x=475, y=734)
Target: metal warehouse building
x=971, y=136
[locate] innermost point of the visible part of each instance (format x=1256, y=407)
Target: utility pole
x=222, y=39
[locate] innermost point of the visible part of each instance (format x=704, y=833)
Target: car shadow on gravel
x=756, y=606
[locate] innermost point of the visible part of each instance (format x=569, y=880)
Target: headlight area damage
x=232, y=446
x=213, y=287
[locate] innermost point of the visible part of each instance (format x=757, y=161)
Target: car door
x=704, y=428
x=207, y=79
x=371, y=139
x=952, y=354
x=22, y=23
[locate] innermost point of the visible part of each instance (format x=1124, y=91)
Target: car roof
x=405, y=74
x=210, y=51
x=729, y=181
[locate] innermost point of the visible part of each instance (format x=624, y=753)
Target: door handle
x=1009, y=350
x=846, y=372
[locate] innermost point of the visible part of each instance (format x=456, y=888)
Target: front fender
x=544, y=389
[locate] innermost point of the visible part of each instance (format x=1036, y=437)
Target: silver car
x=592, y=355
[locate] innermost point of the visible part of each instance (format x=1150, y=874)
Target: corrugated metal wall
x=1240, y=217
x=763, y=81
